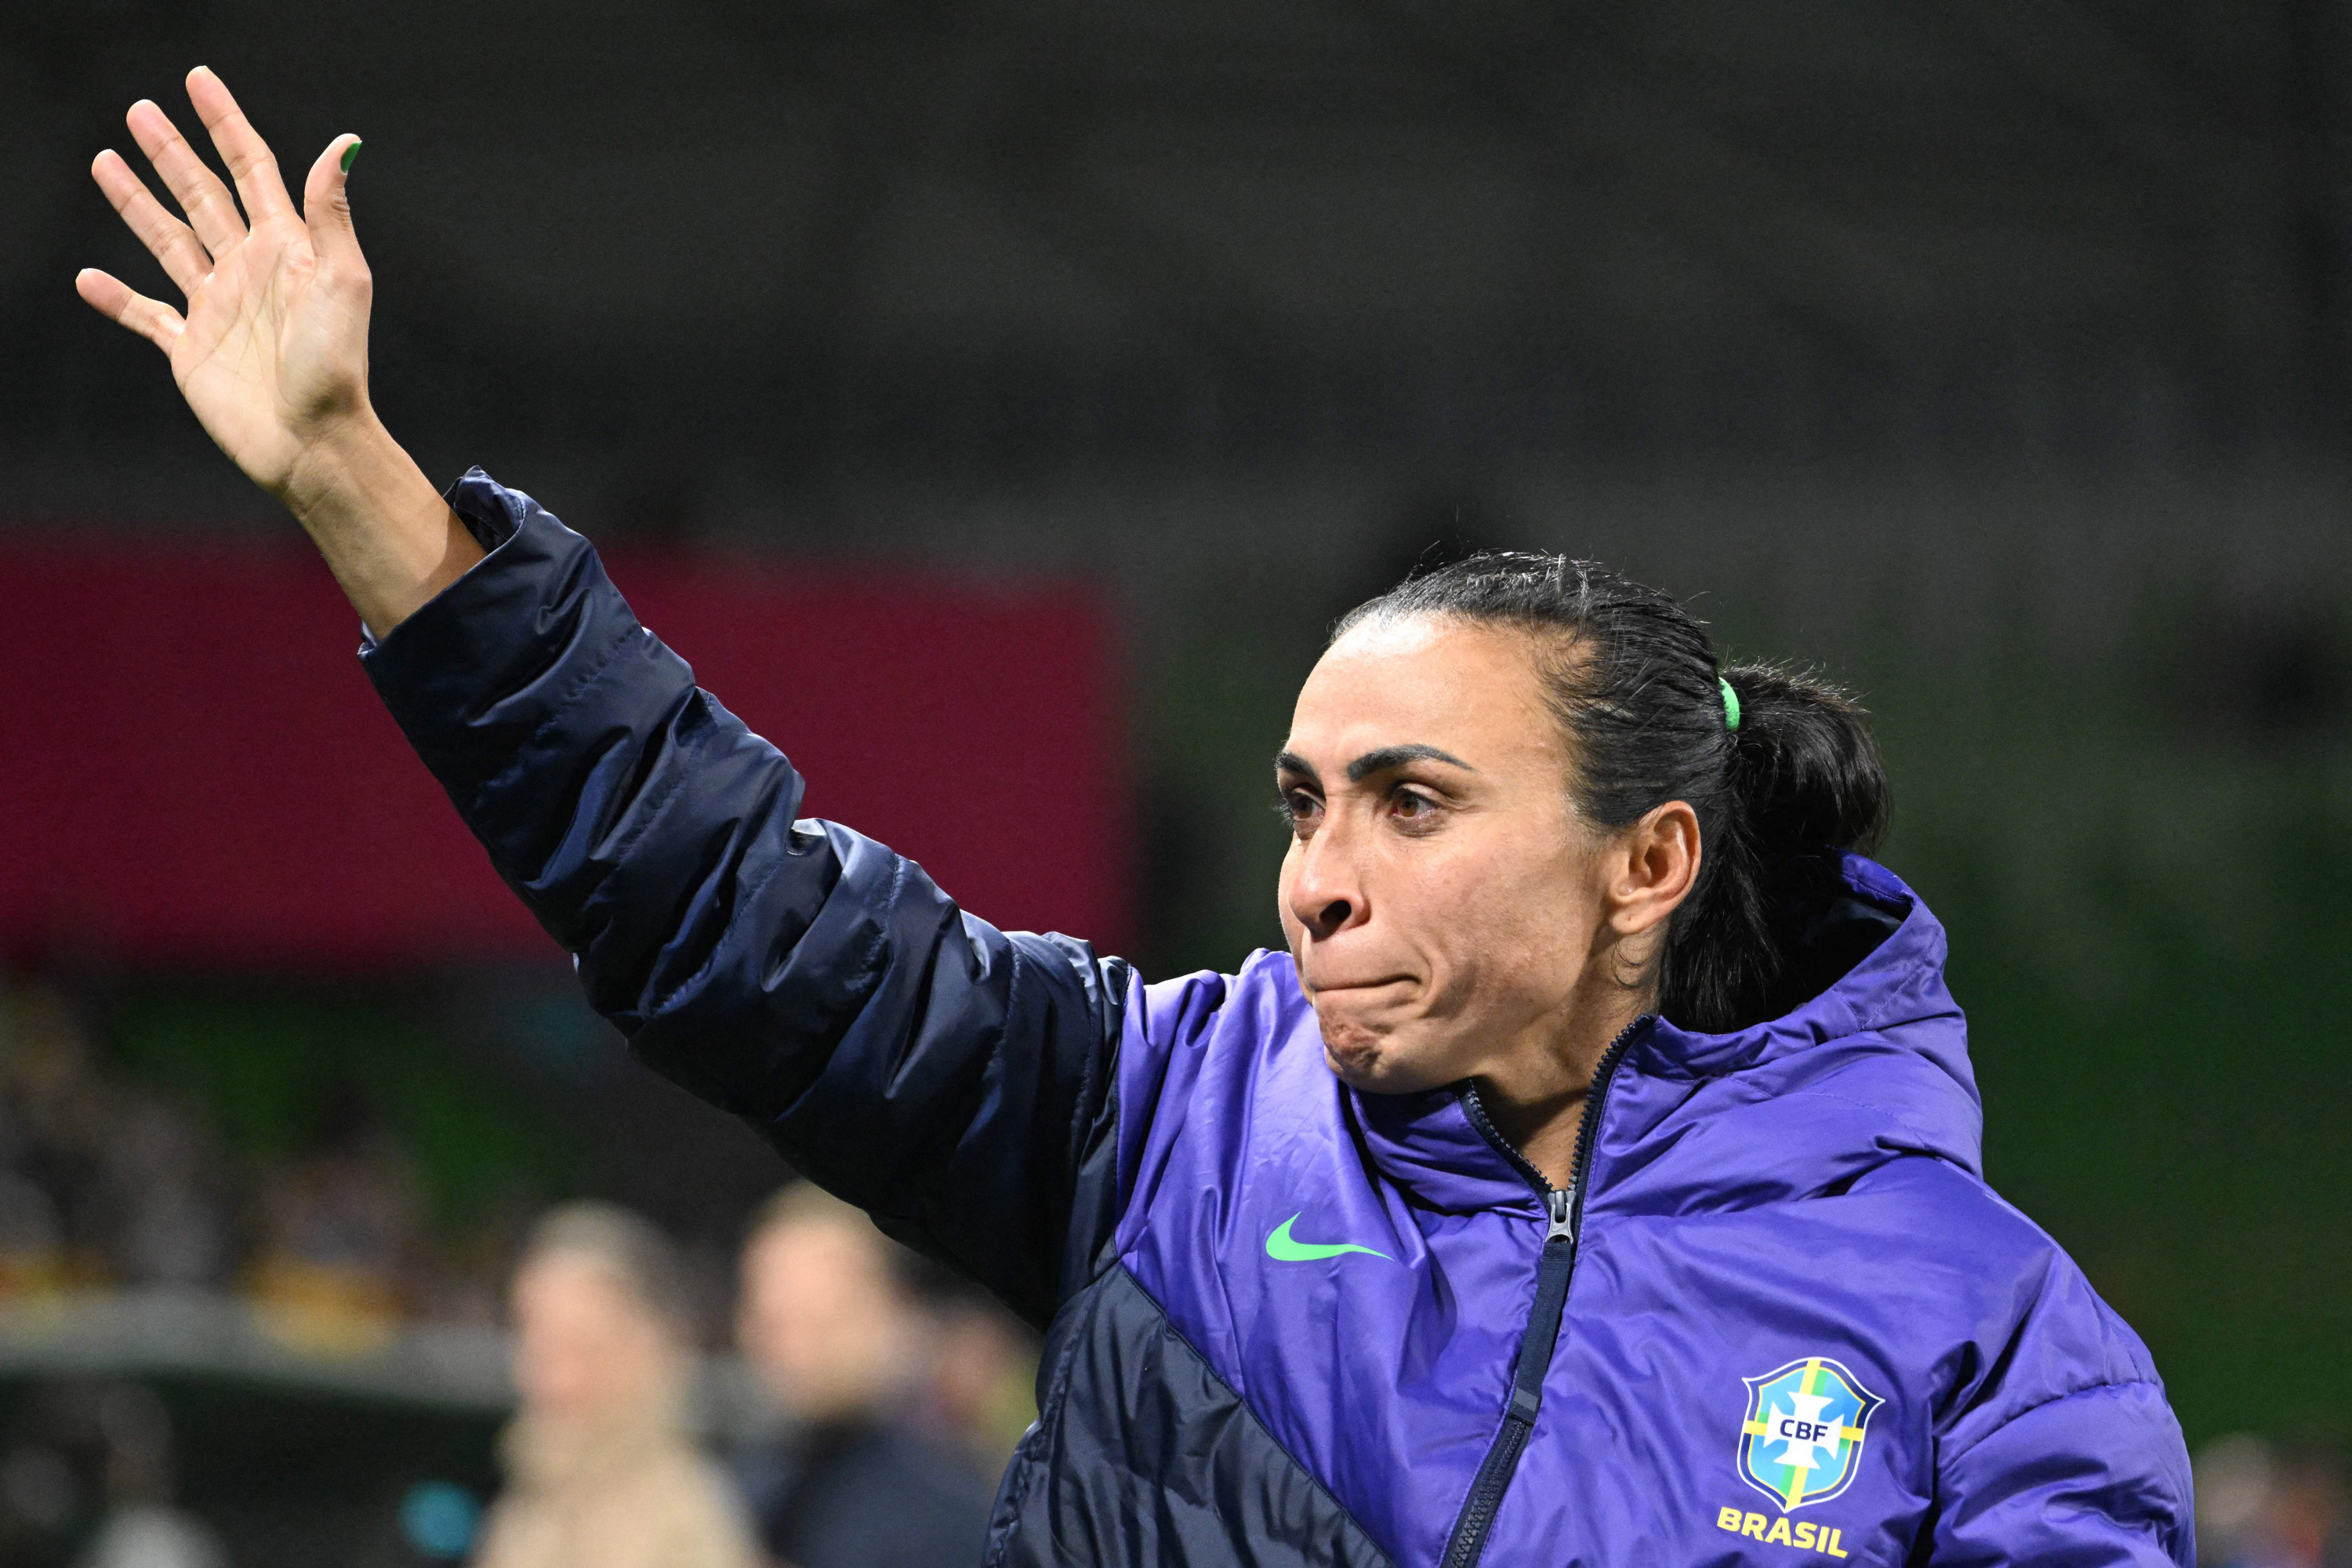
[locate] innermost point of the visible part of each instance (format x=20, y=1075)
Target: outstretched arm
x=271, y=352
x=953, y=1079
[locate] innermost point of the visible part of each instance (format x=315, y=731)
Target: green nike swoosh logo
x=1282, y=1249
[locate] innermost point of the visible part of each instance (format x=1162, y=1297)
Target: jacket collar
x=1882, y=1049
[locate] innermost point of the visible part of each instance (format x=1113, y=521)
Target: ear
x=1651, y=869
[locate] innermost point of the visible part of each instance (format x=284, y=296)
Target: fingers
x=327, y=207
x=211, y=210
x=150, y=319
x=171, y=242
x=247, y=156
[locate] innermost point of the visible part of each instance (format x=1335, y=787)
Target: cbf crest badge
x=1804, y=1432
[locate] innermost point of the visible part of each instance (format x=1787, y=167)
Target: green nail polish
x=349, y=152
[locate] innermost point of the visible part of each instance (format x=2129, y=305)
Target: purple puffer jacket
x=1797, y=1323
x=1781, y=1317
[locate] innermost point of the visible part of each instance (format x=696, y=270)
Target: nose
x=1327, y=893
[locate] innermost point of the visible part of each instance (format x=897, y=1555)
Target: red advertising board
x=194, y=769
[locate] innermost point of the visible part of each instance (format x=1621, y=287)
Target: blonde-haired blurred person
x=827, y=1324
x=600, y=1471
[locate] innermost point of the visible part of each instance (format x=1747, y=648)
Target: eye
x=1411, y=807
x=1298, y=810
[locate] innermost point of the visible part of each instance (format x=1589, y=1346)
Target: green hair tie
x=1730, y=704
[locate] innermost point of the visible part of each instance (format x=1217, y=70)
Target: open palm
x=273, y=347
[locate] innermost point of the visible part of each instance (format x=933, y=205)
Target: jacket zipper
x=1565, y=1210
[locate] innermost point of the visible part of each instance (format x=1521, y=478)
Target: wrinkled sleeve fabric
x=2090, y=1479
x=952, y=1080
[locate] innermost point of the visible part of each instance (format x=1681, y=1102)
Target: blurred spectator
x=49, y=1105
x=32, y=1243
x=827, y=1326
x=101, y=1180
x=983, y=1382
x=342, y=1234
x=599, y=1471
x=467, y=1281
x=173, y=1230
x=2261, y=1507
x=105, y=1181
x=87, y=1482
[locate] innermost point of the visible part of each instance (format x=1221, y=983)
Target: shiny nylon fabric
x=1112, y=1159
x=1144, y=1458
x=950, y=1078
x=1807, y=1188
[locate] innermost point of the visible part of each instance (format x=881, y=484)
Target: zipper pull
x=1561, y=1202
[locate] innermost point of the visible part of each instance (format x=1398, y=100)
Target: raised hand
x=273, y=348
x=272, y=352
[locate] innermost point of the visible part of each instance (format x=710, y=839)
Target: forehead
x=572, y=1283
x=834, y=1248
x=1471, y=690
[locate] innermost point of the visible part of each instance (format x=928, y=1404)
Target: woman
x=599, y=1471
x=1595, y=1178
x=830, y=1330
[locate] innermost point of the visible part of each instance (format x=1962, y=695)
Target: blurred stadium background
x=997, y=403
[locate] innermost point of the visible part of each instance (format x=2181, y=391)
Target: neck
x=1538, y=1101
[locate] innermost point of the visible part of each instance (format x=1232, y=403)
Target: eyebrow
x=1387, y=759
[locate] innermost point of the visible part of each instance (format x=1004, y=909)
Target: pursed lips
x=1315, y=988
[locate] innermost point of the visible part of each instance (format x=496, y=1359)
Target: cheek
x=1506, y=935
x=1454, y=919
x=1291, y=929
x=554, y=1369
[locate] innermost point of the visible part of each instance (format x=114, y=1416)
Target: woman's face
x=1447, y=910
x=586, y=1350
x=820, y=1319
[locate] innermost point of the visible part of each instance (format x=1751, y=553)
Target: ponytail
x=1806, y=767
x=1780, y=768
x=1804, y=776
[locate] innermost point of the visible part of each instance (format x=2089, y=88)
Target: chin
x=1357, y=1065
x=1373, y=1063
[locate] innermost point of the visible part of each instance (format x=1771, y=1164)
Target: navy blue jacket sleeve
x=952, y=1080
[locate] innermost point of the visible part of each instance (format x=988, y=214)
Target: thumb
x=327, y=207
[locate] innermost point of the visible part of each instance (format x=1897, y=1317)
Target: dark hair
x=631, y=1247
x=1634, y=683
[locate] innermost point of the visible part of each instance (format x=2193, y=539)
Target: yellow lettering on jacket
x=1802, y=1535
